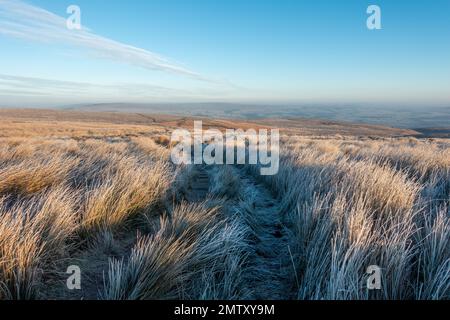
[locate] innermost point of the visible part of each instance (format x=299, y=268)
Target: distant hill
x=299, y=126
x=398, y=117
x=434, y=132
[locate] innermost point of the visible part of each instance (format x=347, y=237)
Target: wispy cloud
x=18, y=86
x=21, y=20
x=27, y=91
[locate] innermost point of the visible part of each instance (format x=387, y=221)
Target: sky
x=252, y=51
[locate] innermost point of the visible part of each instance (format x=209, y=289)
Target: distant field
x=98, y=191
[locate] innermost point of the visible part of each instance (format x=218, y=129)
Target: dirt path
x=271, y=271
x=200, y=185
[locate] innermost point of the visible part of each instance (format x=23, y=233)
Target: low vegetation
x=351, y=204
x=108, y=199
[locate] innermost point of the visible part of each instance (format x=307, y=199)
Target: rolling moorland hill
x=287, y=126
x=98, y=191
x=434, y=120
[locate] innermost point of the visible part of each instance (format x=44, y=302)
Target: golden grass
x=56, y=191
x=91, y=190
x=353, y=203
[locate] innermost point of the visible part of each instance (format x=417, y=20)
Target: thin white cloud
x=21, y=20
x=18, y=86
x=24, y=91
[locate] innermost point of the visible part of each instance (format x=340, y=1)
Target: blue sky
x=233, y=51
